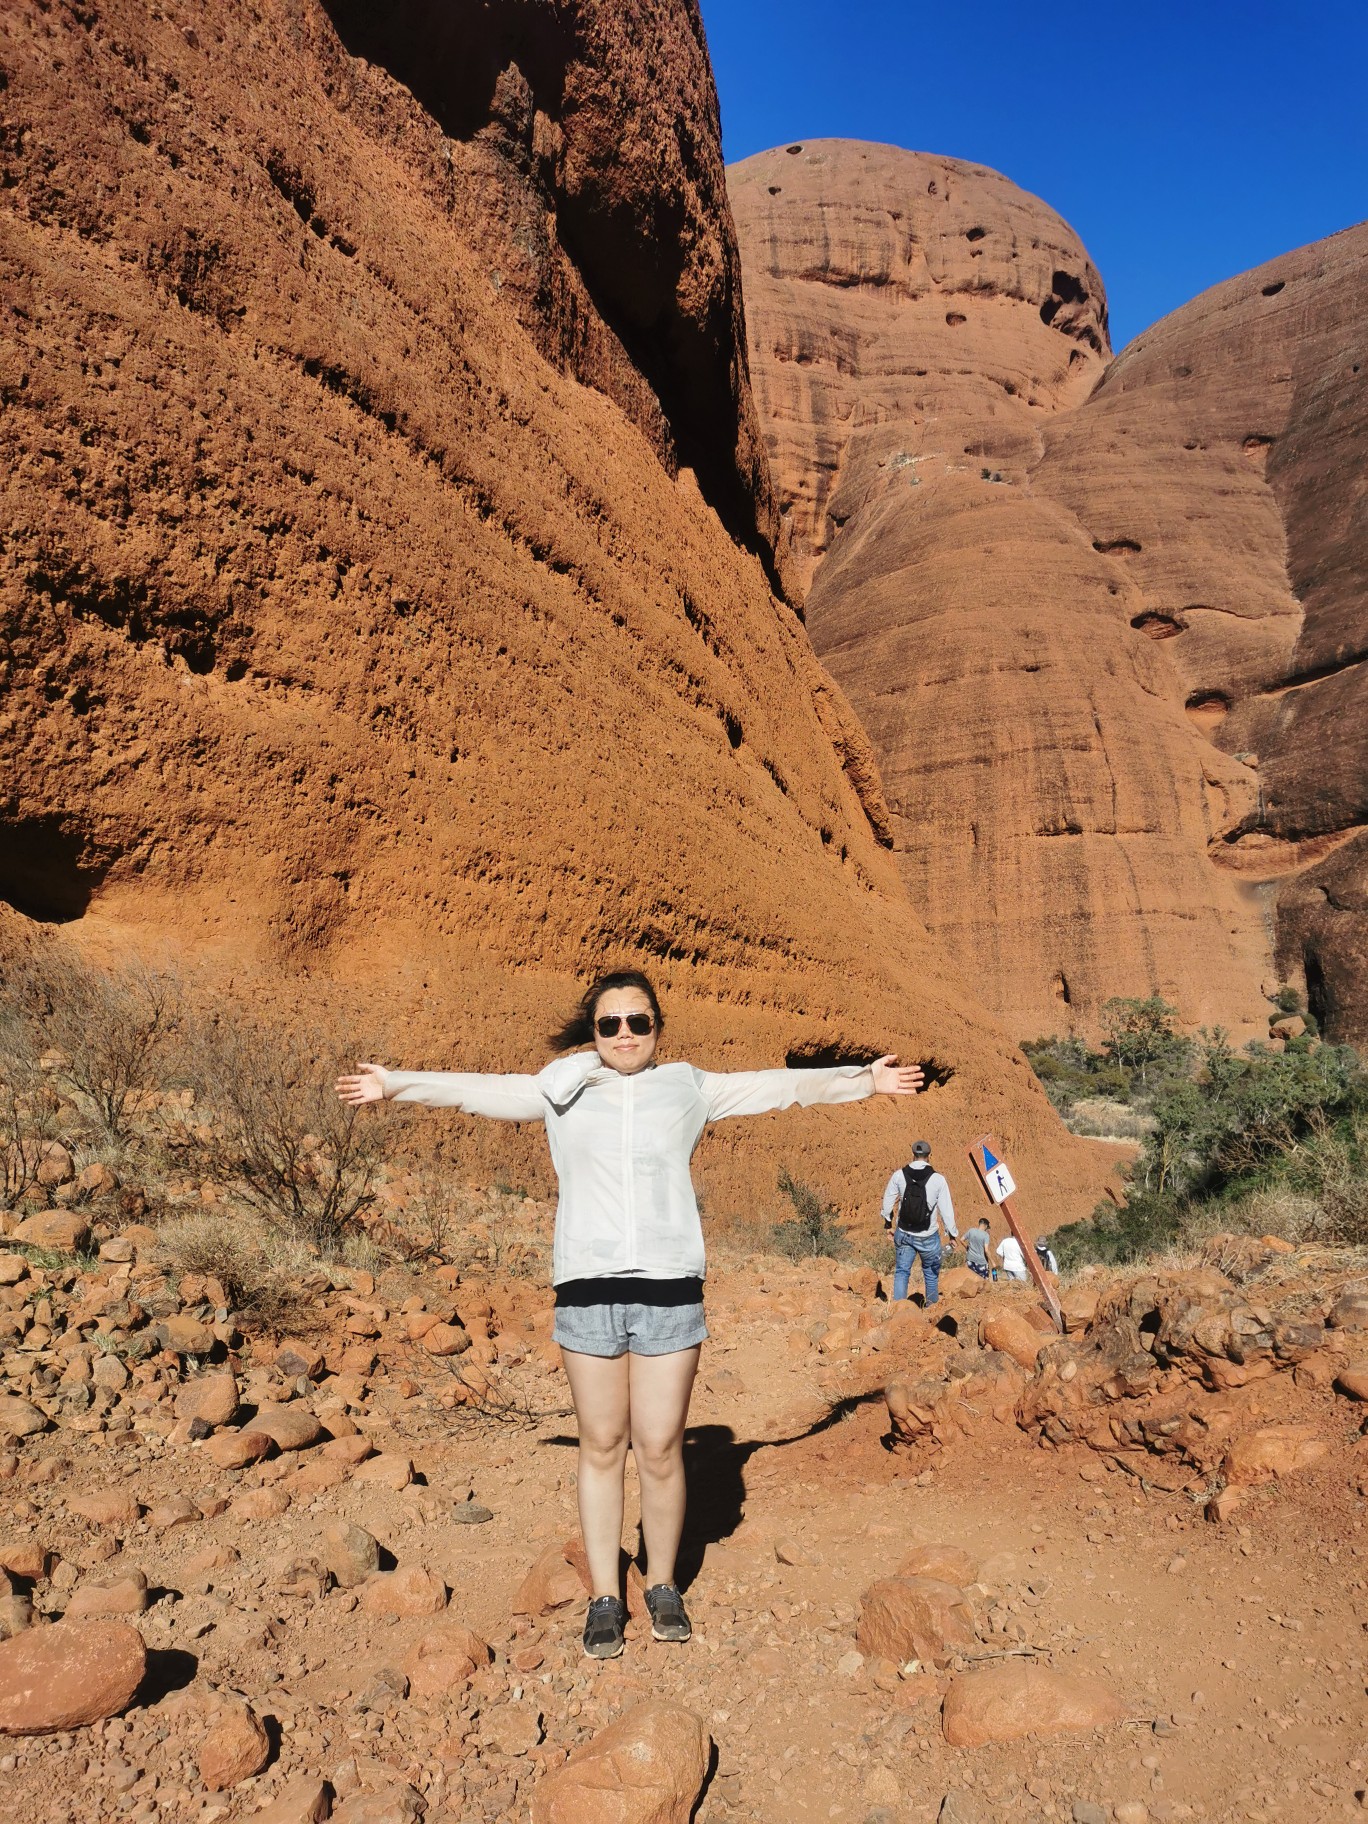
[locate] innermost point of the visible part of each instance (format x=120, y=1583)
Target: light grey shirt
x=937, y=1197
x=621, y=1146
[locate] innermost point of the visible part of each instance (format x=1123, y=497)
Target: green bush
x=814, y=1229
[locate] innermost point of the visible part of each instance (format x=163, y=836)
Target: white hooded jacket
x=621, y=1146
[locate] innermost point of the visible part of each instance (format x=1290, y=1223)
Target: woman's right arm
x=510, y=1098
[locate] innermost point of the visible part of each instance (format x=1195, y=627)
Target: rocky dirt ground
x=1120, y=1575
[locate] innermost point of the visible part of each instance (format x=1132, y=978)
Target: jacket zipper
x=628, y=1198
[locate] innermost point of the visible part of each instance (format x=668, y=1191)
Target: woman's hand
x=367, y=1086
x=894, y=1079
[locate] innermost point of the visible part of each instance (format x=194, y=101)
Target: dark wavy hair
x=579, y=1028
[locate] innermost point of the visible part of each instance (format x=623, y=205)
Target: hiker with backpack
x=916, y=1207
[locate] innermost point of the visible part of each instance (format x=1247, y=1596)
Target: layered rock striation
x=1079, y=607
x=387, y=612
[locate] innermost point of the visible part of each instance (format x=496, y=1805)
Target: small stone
x=389, y=1469
x=905, y=1618
x=113, y=1507
x=296, y=1358
x=514, y=1729
x=175, y=1512
x=61, y=1231
x=260, y=1504
x=125, y=1594
x=349, y=1450
x=446, y=1339
x=350, y=1553
x=1132, y=1811
x=788, y=1553
x=1221, y=1506
x=443, y=1660
x=236, y=1748
x=288, y=1427
x=211, y=1397
x=302, y=1801
x=390, y=1805
x=1004, y=1703
x=1352, y=1381
x=1272, y=1453
x=237, y=1449
x=20, y=1420
x=66, y=1676
x=1084, y=1811
x=27, y=1558
x=470, y=1513
x=652, y=1761
x=412, y=1590
x=183, y=1336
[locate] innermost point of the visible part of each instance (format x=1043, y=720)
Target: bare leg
x=598, y=1387
x=660, y=1390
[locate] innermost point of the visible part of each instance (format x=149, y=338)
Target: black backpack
x=914, y=1206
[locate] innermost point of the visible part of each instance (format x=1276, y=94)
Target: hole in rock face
x=955, y=316
x=1257, y=445
x=974, y=234
x=1158, y=626
x=1061, y=989
x=1271, y=291
x=933, y=188
x=1115, y=547
x=793, y=149
x=775, y=189
x=735, y=733
x=46, y=869
x=1317, y=998
x=1208, y=707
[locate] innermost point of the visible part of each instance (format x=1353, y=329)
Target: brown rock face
x=1099, y=626
x=369, y=611
x=66, y=1676
x=1006, y=1702
x=646, y=1768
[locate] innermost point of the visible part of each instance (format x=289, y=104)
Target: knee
x=658, y=1458
x=603, y=1449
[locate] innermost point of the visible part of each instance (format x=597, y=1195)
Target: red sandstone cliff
x=1005, y=537
x=385, y=616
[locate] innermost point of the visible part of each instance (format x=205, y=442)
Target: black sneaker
x=603, y=1627
x=669, y=1620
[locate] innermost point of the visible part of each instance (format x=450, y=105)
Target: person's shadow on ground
x=715, y=1461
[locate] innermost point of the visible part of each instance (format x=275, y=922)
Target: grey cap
x=922, y=1150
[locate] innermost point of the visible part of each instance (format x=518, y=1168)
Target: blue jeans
x=905, y=1249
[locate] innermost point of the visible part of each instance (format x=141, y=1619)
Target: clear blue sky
x=1184, y=143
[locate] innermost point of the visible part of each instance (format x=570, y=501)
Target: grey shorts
x=612, y=1330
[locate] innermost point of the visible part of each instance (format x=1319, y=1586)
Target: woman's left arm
x=757, y=1092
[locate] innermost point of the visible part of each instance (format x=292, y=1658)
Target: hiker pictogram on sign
x=998, y=1180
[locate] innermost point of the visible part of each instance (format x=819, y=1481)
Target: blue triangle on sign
x=989, y=1162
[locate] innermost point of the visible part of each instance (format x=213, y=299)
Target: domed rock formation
x=375, y=625
x=1007, y=545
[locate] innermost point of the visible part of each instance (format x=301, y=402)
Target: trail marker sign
x=997, y=1180
x=1001, y=1186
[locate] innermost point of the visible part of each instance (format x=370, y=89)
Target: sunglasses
x=608, y=1025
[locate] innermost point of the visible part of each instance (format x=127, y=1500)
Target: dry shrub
x=265, y=1276
x=304, y=1162
x=106, y=1033
x=29, y=1111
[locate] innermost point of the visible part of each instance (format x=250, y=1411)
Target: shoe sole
x=604, y=1652
x=677, y=1640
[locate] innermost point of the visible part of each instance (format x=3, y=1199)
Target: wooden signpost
x=999, y=1183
